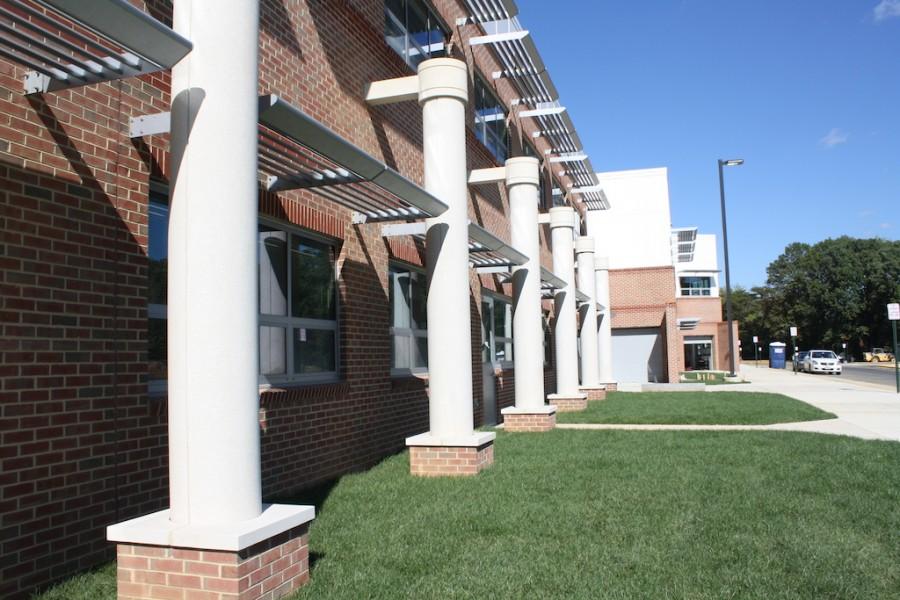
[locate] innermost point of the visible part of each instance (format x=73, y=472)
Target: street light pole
x=727, y=163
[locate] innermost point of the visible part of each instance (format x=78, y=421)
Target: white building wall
x=704, y=264
x=636, y=230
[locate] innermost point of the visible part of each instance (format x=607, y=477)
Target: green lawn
x=613, y=514
x=695, y=408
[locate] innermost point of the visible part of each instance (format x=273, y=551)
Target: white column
x=522, y=181
x=562, y=225
x=443, y=93
x=590, y=368
x=604, y=334
x=214, y=458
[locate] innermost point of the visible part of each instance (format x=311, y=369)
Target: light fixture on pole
x=734, y=162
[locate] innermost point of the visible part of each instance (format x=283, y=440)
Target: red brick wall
x=81, y=444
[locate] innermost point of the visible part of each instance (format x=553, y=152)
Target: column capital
x=584, y=243
x=601, y=263
x=523, y=170
x=443, y=77
x=562, y=216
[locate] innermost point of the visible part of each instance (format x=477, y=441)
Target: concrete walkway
x=864, y=411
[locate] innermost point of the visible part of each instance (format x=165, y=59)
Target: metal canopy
x=520, y=60
x=482, y=11
x=298, y=152
x=550, y=281
x=70, y=43
x=487, y=250
x=684, y=241
x=593, y=197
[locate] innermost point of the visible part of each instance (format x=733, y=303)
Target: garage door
x=638, y=356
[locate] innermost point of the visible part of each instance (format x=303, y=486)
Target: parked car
x=878, y=355
x=822, y=361
x=798, y=360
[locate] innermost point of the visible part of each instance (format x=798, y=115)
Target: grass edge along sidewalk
x=572, y=514
x=695, y=408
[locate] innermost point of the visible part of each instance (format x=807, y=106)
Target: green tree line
x=835, y=292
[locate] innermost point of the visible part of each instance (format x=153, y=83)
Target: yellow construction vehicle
x=878, y=355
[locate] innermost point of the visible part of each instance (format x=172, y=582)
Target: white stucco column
x=590, y=367
x=522, y=181
x=443, y=93
x=213, y=394
x=604, y=332
x=562, y=226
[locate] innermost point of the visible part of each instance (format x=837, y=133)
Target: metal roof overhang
x=593, y=197
x=483, y=11
x=54, y=38
x=298, y=152
x=487, y=250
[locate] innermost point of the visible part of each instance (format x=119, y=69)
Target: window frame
x=409, y=334
x=408, y=40
x=491, y=338
x=290, y=323
x=483, y=131
x=691, y=291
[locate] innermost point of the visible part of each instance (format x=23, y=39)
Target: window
x=413, y=30
x=298, y=332
x=490, y=122
x=409, y=320
x=696, y=286
x=496, y=329
x=158, y=259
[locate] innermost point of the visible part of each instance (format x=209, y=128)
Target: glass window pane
x=313, y=351
x=421, y=352
x=500, y=319
x=394, y=30
x=312, y=279
x=272, y=271
x=157, y=349
x=158, y=249
x=272, y=351
x=419, y=294
x=399, y=297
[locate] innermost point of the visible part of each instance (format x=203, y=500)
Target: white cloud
x=868, y=212
x=885, y=225
x=835, y=137
x=887, y=9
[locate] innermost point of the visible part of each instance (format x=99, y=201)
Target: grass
x=695, y=408
x=588, y=514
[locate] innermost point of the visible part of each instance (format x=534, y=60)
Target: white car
x=822, y=361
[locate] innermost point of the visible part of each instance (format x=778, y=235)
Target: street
x=869, y=373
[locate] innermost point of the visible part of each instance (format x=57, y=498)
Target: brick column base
x=611, y=387
x=268, y=570
x=441, y=461
x=594, y=393
x=568, y=403
x=533, y=420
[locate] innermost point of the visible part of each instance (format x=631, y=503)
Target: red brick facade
x=271, y=569
x=529, y=423
x=83, y=443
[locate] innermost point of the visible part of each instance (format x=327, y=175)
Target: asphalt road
x=867, y=373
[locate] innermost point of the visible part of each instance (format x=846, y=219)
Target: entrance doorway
x=698, y=354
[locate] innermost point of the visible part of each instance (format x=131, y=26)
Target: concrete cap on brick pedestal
x=474, y=440
x=547, y=409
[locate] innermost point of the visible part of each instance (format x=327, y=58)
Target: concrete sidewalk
x=863, y=410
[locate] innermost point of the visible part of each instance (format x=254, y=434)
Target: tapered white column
x=443, y=93
x=604, y=332
x=214, y=458
x=562, y=225
x=590, y=367
x=522, y=181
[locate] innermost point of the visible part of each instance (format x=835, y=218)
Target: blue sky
x=806, y=91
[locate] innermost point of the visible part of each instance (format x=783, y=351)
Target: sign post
x=894, y=316
x=756, y=348
x=794, y=344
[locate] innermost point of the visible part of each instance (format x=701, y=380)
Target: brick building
x=343, y=376
x=664, y=293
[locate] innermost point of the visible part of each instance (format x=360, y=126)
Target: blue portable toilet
x=776, y=355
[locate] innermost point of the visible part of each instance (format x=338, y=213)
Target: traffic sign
x=793, y=332
x=894, y=311
x=755, y=339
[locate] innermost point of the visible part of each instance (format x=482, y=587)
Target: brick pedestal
x=597, y=393
x=568, y=403
x=529, y=420
x=439, y=461
x=265, y=571
x=610, y=387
